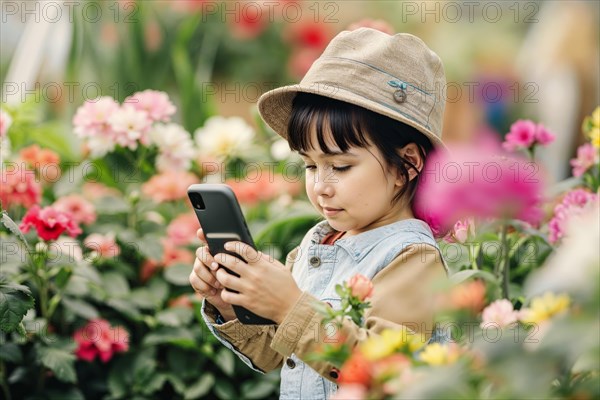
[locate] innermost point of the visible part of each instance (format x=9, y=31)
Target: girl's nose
x=323, y=185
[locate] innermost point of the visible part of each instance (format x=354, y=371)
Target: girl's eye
x=341, y=169
x=310, y=166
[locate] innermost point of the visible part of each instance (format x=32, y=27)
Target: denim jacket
x=402, y=260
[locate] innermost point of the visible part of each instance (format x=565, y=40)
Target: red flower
x=49, y=223
x=99, y=338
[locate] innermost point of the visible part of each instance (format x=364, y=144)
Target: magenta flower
x=573, y=204
x=474, y=183
x=155, y=103
x=82, y=211
x=49, y=223
x=587, y=156
x=525, y=134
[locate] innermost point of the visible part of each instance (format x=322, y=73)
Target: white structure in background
x=40, y=55
x=560, y=55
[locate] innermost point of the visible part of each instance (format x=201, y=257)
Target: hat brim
x=275, y=107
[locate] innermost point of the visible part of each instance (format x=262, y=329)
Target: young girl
x=363, y=119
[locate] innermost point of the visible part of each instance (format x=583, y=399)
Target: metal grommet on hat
x=400, y=94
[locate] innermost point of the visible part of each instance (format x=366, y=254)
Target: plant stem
x=3, y=381
x=473, y=254
x=504, y=261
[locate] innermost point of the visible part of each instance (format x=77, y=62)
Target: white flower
x=65, y=250
x=280, y=150
x=175, y=145
x=100, y=145
x=129, y=126
x=5, y=122
x=224, y=137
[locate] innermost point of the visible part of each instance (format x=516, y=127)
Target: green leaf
x=143, y=298
x=80, y=308
x=15, y=301
x=201, y=387
x=177, y=336
x=71, y=393
x=13, y=228
x=177, y=316
x=10, y=352
x=124, y=307
x=154, y=383
x=178, y=274
x=63, y=276
x=225, y=391
x=115, y=284
x=177, y=383
x=150, y=247
x=59, y=361
x=257, y=389
x=226, y=361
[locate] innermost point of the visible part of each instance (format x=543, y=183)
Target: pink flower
x=525, y=133
x=155, y=104
x=95, y=190
x=82, y=211
x=130, y=126
x=169, y=186
x=19, y=186
x=521, y=135
x=99, y=338
x=352, y=391
x=5, y=122
x=474, y=183
x=543, y=136
x=182, y=230
x=461, y=231
x=360, y=287
x=105, y=246
x=587, y=156
x=175, y=255
x=49, y=223
x=572, y=205
x=499, y=314
x=91, y=119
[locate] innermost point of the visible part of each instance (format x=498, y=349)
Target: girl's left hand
x=265, y=286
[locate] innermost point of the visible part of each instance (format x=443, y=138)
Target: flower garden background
x=98, y=238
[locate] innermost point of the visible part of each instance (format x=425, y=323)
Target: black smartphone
x=222, y=221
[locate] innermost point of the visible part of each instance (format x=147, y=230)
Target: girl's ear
x=411, y=153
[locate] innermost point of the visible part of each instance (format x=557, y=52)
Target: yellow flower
x=389, y=342
x=544, y=307
x=595, y=137
x=596, y=117
x=437, y=354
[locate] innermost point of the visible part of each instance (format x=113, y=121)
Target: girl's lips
x=332, y=211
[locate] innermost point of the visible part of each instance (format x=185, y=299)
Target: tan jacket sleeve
x=402, y=295
x=254, y=341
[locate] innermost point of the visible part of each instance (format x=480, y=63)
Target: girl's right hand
x=204, y=281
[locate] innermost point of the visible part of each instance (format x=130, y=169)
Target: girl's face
x=353, y=190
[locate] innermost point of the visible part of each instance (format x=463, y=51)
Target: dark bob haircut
x=354, y=126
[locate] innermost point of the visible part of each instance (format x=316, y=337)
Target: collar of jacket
x=358, y=246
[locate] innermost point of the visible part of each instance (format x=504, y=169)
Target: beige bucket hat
x=397, y=76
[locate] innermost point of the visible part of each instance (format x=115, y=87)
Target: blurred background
x=525, y=59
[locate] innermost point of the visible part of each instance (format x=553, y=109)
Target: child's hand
x=203, y=280
x=265, y=286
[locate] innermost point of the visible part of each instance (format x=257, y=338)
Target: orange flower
x=356, y=370
x=168, y=186
x=469, y=296
x=38, y=158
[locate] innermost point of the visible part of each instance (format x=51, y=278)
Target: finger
x=205, y=274
x=245, y=251
x=203, y=254
x=201, y=287
x=233, y=263
x=229, y=281
x=232, y=298
x=200, y=235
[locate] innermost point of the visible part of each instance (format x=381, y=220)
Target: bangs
x=344, y=123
